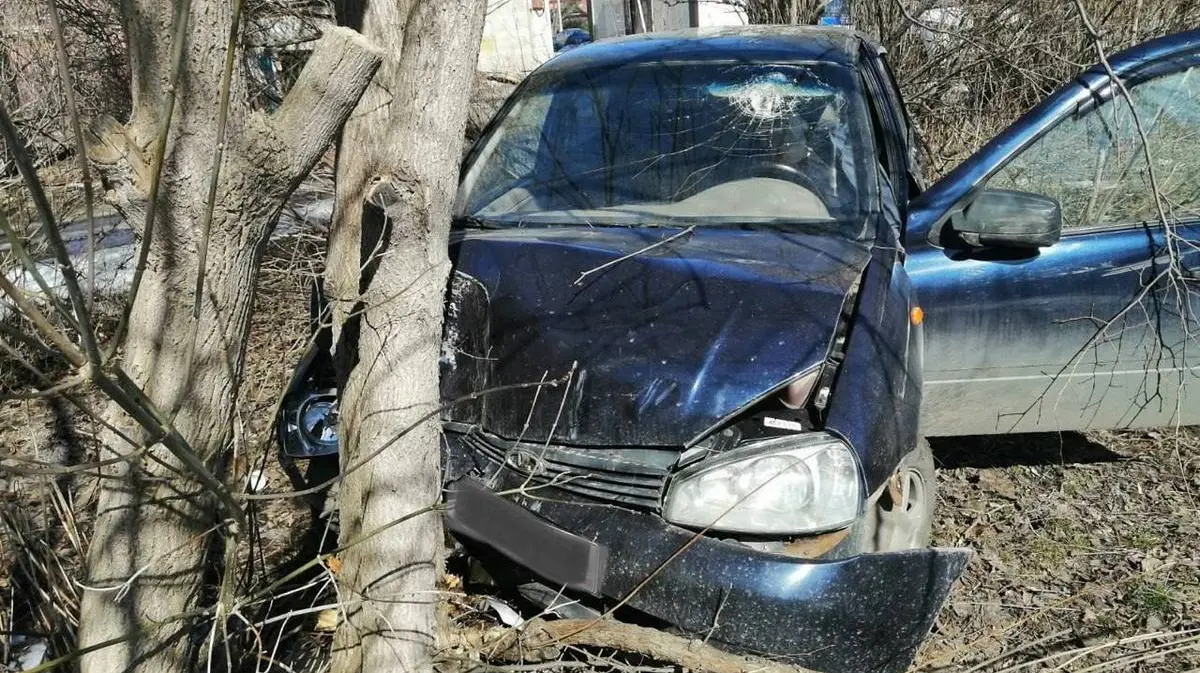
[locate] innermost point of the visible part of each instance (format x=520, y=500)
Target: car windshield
x=665, y=144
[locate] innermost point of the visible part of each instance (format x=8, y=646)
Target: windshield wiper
x=543, y=219
x=476, y=222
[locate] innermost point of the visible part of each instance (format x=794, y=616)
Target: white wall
x=720, y=14
x=515, y=38
x=608, y=18
x=671, y=14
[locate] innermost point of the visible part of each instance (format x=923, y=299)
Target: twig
x=631, y=255
x=231, y=50
x=74, y=400
x=52, y=391
x=122, y=390
x=45, y=469
x=122, y=589
x=16, y=147
x=57, y=664
x=530, y=668
x=64, y=73
x=31, y=267
x=541, y=640
x=1091, y=649
x=1026, y=646
x=1171, y=274
x=43, y=325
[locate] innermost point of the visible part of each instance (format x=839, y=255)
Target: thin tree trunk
x=154, y=521
x=396, y=181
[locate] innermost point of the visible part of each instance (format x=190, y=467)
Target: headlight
x=805, y=483
x=309, y=425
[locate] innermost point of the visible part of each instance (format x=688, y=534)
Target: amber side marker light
x=916, y=315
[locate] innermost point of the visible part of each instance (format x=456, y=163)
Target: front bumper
x=863, y=614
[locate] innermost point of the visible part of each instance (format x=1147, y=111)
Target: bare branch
x=631, y=255
x=231, y=50
x=16, y=146
x=64, y=70
x=31, y=267
x=44, y=326
x=540, y=640
x=339, y=70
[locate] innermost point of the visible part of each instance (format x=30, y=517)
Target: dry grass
x=1087, y=547
x=44, y=520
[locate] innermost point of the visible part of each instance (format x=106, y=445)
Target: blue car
x=571, y=38
x=723, y=248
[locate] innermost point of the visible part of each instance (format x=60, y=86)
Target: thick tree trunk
x=387, y=274
x=154, y=520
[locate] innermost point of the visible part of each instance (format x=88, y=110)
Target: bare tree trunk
x=155, y=521
x=396, y=180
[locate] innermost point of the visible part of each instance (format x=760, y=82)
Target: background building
x=611, y=18
x=517, y=35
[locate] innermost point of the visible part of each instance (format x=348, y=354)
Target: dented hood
x=652, y=347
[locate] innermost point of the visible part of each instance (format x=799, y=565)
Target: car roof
x=831, y=44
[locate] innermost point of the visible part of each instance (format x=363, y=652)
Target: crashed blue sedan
x=722, y=247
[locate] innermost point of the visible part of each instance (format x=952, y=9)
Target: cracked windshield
x=701, y=144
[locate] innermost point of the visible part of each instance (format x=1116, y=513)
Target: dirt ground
x=1087, y=552
x=1087, y=547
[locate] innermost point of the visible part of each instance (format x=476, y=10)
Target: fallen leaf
x=327, y=621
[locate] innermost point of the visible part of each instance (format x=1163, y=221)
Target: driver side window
x=1095, y=166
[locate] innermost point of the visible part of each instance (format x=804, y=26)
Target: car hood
x=651, y=336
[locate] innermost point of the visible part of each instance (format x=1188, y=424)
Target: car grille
x=629, y=477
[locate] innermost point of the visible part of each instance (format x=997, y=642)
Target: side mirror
x=1010, y=219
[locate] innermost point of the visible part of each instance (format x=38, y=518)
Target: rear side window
x=1095, y=164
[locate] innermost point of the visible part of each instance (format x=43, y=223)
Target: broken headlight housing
x=309, y=426
x=802, y=483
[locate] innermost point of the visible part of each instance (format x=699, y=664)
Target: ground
x=1086, y=546
x=1081, y=542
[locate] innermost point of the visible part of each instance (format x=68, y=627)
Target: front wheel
x=900, y=516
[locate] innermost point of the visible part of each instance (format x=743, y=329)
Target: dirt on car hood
x=653, y=336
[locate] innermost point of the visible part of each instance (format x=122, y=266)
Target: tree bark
x=154, y=520
x=397, y=175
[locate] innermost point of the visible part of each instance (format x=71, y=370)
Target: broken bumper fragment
x=862, y=614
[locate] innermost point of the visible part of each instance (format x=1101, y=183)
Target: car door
x=1096, y=330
